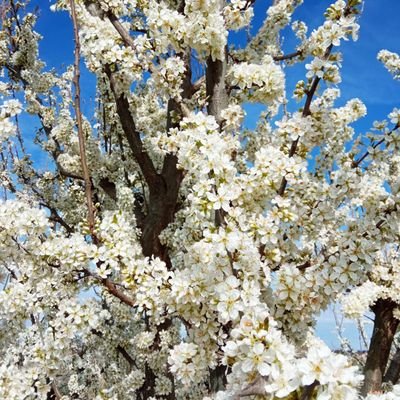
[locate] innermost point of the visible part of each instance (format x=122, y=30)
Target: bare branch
x=121, y=30
x=81, y=135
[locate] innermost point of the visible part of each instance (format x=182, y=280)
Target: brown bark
x=218, y=379
x=385, y=326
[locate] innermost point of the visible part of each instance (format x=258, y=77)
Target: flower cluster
x=339, y=26
x=360, y=299
x=168, y=77
x=200, y=27
x=391, y=61
x=258, y=349
x=278, y=16
x=323, y=69
x=262, y=83
x=237, y=14
x=214, y=247
x=8, y=110
x=186, y=360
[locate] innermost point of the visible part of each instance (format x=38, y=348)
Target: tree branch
x=288, y=56
x=393, y=372
x=356, y=163
x=126, y=355
x=306, y=112
x=81, y=135
x=112, y=288
x=133, y=136
x=121, y=30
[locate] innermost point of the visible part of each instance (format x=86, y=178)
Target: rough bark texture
x=385, y=327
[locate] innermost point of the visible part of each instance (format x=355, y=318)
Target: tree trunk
x=385, y=326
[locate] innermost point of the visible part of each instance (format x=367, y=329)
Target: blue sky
x=362, y=75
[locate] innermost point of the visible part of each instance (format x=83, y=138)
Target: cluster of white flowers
x=237, y=14
x=338, y=27
x=258, y=349
x=278, y=16
x=391, y=61
x=295, y=127
x=337, y=377
x=118, y=7
x=101, y=46
x=260, y=83
x=168, y=77
x=323, y=69
x=8, y=110
x=19, y=220
x=251, y=240
x=16, y=383
x=233, y=117
x=78, y=317
x=383, y=283
x=192, y=141
x=271, y=164
x=186, y=360
x=201, y=27
x=394, y=116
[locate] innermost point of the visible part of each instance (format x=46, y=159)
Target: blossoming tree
x=167, y=253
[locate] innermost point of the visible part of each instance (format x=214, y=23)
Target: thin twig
x=356, y=163
x=288, y=56
x=112, y=287
x=81, y=136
